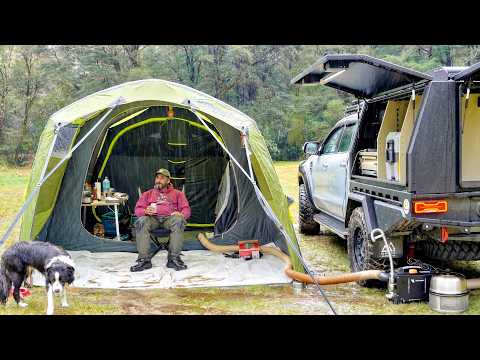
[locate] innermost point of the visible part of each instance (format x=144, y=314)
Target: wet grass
x=325, y=253
x=13, y=182
x=287, y=171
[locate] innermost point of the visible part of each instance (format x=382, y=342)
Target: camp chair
x=161, y=245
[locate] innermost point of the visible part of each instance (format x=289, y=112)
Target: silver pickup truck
x=404, y=159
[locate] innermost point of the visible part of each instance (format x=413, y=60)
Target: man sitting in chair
x=162, y=206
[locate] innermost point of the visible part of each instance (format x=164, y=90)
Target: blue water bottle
x=106, y=185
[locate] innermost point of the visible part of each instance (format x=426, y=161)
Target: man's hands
x=150, y=211
x=177, y=213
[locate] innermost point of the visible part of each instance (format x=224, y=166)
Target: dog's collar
x=62, y=258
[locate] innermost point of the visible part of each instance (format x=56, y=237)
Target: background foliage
x=36, y=81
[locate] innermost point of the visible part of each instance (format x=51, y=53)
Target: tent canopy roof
x=163, y=91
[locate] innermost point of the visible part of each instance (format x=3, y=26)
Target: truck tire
x=360, y=248
x=306, y=211
x=451, y=250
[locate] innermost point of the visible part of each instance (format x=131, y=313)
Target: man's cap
x=164, y=172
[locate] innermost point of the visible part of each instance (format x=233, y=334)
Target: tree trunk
x=5, y=72
x=31, y=91
x=132, y=52
x=192, y=63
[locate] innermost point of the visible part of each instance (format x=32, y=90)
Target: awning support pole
x=37, y=187
x=268, y=209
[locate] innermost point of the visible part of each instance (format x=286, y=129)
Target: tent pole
x=269, y=211
x=224, y=148
x=37, y=187
x=247, y=152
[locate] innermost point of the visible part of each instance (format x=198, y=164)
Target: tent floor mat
x=205, y=269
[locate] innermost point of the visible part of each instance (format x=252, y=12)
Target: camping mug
x=153, y=206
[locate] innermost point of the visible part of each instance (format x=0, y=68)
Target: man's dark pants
x=145, y=224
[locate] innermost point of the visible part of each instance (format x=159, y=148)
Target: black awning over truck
x=360, y=75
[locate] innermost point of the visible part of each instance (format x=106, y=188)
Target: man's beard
x=160, y=186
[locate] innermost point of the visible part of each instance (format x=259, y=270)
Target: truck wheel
x=306, y=211
x=360, y=248
x=452, y=250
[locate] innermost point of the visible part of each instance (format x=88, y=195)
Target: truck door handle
x=324, y=165
x=343, y=164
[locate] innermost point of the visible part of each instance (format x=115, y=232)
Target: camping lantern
x=170, y=112
x=249, y=249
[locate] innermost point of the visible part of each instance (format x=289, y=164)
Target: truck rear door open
x=360, y=75
x=469, y=117
x=373, y=79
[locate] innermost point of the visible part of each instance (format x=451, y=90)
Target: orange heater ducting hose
x=295, y=275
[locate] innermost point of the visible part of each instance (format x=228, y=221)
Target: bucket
x=108, y=221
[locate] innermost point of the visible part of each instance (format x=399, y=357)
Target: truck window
x=330, y=145
x=347, y=138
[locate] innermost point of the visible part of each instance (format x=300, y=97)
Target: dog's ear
x=49, y=273
x=70, y=271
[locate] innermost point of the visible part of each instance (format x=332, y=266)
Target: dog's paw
x=49, y=312
x=65, y=305
x=22, y=304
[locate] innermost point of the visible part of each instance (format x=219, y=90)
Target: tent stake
x=37, y=187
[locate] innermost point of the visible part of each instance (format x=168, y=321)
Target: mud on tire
x=452, y=250
x=360, y=249
x=306, y=211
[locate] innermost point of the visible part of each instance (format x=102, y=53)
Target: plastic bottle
x=98, y=190
x=106, y=186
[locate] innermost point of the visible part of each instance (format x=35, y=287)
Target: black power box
x=411, y=284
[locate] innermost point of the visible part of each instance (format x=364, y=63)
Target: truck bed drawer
x=368, y=163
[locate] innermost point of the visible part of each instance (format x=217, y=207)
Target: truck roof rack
x=354, y=107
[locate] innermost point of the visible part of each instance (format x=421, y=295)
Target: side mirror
x=311, y=148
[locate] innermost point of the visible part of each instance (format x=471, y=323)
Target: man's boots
x=174, y=262
x=142, y=264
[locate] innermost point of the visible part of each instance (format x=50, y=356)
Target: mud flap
x=379, y=214
x=389, y=217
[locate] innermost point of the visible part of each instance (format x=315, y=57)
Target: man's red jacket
x=168, y=200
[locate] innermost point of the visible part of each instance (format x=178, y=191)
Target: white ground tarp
x=205, y=269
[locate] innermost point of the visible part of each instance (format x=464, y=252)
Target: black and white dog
x=54, y=263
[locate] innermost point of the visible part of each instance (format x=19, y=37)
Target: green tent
x=203, y=142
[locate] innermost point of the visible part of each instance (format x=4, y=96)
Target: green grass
x=326, y=254
x=13, y=182
x=287, y=171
